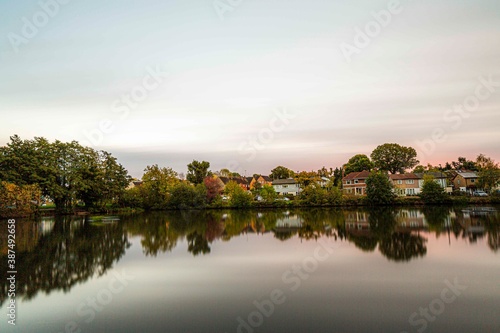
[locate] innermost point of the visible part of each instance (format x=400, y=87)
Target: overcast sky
x=256, y=84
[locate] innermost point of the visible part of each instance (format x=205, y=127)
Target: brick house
x=355, y=183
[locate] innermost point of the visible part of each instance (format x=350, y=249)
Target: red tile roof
x=404, y=176
x=357, y=175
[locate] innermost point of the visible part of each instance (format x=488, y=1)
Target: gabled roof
x=404, y=176
x=357, y=175
x=225, y=180
x=284, y=181
x=267, y=178
x=240, y=181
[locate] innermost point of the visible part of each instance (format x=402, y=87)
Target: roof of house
x=467, y=174
x=237, y=180
x=225, y=180
x=284, y=181
x=267, y=178
x=357, y=175
x=437, y=175
x=240, y=181
x=404, y=176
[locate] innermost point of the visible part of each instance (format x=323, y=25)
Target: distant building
x=465, y=181
x=355, y=183
x=406, y=184
x=134, y=183
x=262, y=180
x=286, y=186
x=241, y=181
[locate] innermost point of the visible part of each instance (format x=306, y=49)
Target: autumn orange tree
x=18, y=200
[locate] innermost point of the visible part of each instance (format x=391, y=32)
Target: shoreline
x=348, y=202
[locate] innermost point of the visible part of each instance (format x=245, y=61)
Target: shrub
x=185, y=196
x=132, y=198
x=432, y=192
x=313, y=195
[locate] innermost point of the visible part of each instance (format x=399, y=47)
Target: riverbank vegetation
x=70, y=178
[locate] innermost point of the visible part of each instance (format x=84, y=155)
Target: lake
x=306, y=270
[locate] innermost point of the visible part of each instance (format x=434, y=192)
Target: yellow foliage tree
x=18, y=200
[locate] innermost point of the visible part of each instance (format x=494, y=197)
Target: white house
x=286, y=186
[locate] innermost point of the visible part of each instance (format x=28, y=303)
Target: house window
x=458, y=181
x=356, y=181
x=400, y=182
x=472, y=180
x=348, y=182
x=359, y=190
x=409, y=181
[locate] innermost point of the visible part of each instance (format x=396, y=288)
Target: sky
x=249, y=85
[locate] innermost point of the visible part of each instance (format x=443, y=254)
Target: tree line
x=74, y=176
x=67, y=173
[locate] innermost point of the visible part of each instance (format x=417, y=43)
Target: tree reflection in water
x=73, y=252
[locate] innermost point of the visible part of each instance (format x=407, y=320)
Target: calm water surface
x=383, y=270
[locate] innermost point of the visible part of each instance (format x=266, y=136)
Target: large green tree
x=358, y=163
x=157, y=186
x=464, y=164
x=281, y=172
x=394, y=158
x=197, y=171
x=489, y=172
x=64, y=171
x=306, y=178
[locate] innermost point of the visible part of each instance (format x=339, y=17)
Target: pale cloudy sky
x=228, y=79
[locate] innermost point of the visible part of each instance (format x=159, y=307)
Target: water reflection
x=56, y=254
